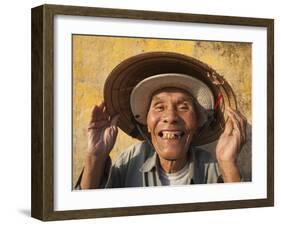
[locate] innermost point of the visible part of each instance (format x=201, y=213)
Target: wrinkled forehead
x=181, y=93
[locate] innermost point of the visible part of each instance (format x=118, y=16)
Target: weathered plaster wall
x=95, y=56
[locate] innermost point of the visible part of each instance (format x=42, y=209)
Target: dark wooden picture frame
x=42, y=203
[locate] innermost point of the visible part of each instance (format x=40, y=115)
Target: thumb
x=114, y=120
x=229, y=125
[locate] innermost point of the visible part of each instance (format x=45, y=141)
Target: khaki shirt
x=138, y=167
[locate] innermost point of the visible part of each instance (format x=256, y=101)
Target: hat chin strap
x=143, y=135
x=211, y=119
x=139, y=129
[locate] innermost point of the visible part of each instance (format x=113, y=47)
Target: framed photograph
x=129, y=68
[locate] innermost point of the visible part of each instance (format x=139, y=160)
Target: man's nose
x=170, y=116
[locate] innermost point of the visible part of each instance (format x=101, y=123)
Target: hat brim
x=126, y=75
x=142, y=93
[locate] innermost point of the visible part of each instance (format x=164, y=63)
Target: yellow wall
x=95, y=56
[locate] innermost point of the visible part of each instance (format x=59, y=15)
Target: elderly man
x=173, y=106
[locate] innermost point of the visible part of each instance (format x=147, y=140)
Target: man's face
x=171, y=121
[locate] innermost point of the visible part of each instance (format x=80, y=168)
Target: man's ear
x=148, y=130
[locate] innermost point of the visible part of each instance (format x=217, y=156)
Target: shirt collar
x=150, y=162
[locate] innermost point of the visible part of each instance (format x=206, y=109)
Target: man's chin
x=171, y=158
x=172, y=154
x=171, y=149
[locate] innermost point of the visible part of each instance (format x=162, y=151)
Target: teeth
x=171, y=135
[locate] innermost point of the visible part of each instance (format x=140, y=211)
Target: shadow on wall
x=245, y=156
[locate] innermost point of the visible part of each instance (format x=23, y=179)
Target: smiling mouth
x=171, y=135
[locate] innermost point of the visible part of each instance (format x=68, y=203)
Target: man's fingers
x=105, y=113
x=228, y=127
x=99, y=112
x=113, y=131
x=239, y=124
x=236, y=124
x=94, y=113
x=241, y=118
x=98, y=124
x=244, y=124
x=114, y=120
x=101, y=105
x=103, y=123
x=102, y=111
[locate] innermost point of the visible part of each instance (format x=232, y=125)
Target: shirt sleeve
x=206, y=167
x=105, y=177
x=215, y=174
x=118, y=171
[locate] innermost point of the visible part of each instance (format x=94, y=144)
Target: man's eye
x=184, y=107
x=159, y=108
